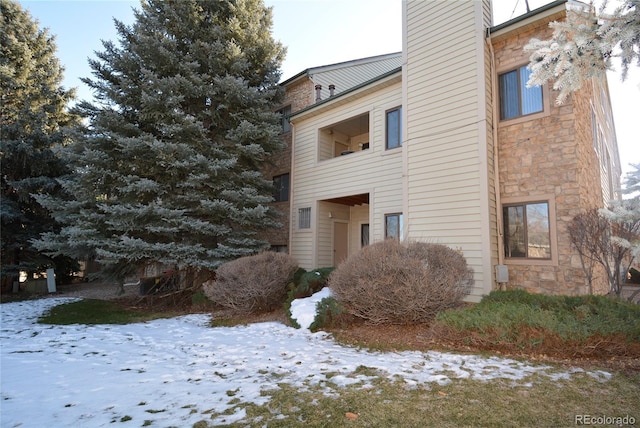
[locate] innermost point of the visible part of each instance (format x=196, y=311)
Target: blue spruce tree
x=167, y=169
x=33, y=117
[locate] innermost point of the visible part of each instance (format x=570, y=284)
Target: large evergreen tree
x=33, y=116
x=168, y=169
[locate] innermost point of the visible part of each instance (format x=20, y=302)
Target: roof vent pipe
x=318, y=93
x=332, y=89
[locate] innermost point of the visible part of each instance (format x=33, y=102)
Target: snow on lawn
x=170, y=371
x=304, y=310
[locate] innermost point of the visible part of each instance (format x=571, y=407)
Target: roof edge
x=348, y=91
x=309, y=71
x=527, y=15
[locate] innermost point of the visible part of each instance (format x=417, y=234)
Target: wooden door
x=340, y=242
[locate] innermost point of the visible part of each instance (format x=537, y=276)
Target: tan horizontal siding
x=446, y=129
x=374, y=171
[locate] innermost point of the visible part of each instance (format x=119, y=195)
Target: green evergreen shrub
x=311, y=282
x=327, y=312
x=305, y=284
x=569, y=317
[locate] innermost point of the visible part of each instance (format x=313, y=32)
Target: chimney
x=318, y=93
x=332, y=89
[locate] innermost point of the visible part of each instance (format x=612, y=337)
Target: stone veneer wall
x=550, y=155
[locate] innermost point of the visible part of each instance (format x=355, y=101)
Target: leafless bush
x=587, y=231
x=608, y=238
x=252, y=284
x=395, y=283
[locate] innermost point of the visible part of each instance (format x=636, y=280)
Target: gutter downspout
x=496, y=165
x=291, y=187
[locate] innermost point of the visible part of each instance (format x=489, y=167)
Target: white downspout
x=292, y=187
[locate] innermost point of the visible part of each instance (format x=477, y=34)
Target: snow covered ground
x=171, y=371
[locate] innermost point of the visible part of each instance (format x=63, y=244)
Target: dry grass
x=461, y=403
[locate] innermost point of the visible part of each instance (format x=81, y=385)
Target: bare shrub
x=252, y=284
x=609, y=238
x=395, y=283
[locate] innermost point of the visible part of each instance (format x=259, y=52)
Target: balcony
x=344, y=138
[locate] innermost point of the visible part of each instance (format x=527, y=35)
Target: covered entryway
x=340, y=223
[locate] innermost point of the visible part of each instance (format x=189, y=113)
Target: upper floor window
x=515, y=98
x=526, y=230
x=393, y=226
x=394, y=128
x=285, y=114
x=281, y=188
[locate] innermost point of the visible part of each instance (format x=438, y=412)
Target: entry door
x=340, y=242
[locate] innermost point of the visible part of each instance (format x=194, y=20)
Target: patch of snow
x=304, y=310
x=178, y=371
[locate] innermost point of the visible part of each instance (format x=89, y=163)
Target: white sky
x=175, y=372
x=316, y=32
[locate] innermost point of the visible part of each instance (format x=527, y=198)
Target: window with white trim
x=394, y=128
x=304, y=218
x=393, y=226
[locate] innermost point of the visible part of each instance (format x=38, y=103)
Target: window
x=285, y=114
x=594, y=130
x=526, y=231
x=364, y=235
x=393, y=226
x=515, y=98
x=304, y=218
x=281, y=188
x=394, y=128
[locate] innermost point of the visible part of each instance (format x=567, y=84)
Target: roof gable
x=349, y=74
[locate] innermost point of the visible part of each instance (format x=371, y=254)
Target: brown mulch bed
x=607, y=353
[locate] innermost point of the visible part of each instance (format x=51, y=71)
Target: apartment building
x=444, y=143
x=302, y=90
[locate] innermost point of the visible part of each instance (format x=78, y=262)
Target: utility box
x=51, y=280
x=502, y=274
